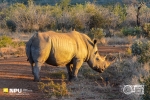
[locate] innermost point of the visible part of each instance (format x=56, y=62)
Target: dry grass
x=117, y=41
x=128, y=40
x=16, y=47
x=93, y=86
x=127, y=72
x=85, y=89
x=8, y=52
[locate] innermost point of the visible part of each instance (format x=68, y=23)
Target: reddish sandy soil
x=112, y=49
x=16, y=73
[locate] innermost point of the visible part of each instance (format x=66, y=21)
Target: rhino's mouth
x=98, y=69
x=102, y=70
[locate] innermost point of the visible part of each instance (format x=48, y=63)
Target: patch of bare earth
x=15, y=72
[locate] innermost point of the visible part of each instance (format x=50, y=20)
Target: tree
x=139, y=4
x=138, y=13
x=64, y=4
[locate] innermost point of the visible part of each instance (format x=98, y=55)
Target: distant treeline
x=53, y=2
x=87, y=17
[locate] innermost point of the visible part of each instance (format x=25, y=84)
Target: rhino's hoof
x=32, y=73
x=36, y=80
x=74, y=79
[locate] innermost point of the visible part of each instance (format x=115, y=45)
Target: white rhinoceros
x=63, y=49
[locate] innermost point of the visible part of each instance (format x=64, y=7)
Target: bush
x=17, y=44
x=57, y=74
x=136, y=31
x=91, y=8
x=127, y=72
x=97, y=21
x=141, y=48
x=5, y=41
x=146, y=28
x=64, y=4
x=131, y=18
x=96, y=33
x=3, y=7
x=122, y=72
x=82, y=17
x=54, y=89
x=120, y=11
x=11, y=25
x=144, y=14
x=29, y=17
x=79, y=17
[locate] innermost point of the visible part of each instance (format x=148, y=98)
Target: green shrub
x=98, y=21
x=82, y=17
x=17, y=44
x=96, y=33
x=141, y=48
x=3, y=7
x=29, y=17
x=5, y=41
x=21, y=43
x=11, y=25
x=136, y=31
x=120, y=11
x=57, y=74
x=91, y=8
x=78, y=24
x=128, y=52
x=64, y=4
x=54, y=89
x=146, y=28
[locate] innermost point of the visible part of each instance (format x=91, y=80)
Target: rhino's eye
x=96, y=52
x=97, y=59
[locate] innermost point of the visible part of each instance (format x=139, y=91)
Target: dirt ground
x=16, y=73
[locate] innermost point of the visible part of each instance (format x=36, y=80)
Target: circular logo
x=127, y=89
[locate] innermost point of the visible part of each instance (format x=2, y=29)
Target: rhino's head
x=95, y=61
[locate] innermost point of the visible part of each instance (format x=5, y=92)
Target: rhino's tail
x=28, y=51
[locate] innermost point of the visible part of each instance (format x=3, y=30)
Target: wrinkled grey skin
x=63, y=49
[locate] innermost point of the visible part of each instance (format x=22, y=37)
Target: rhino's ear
x=95, y=41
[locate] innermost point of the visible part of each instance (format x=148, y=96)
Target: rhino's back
x=58, y=48
x=63, y=49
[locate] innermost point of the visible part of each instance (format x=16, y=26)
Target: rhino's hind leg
x=32, y=64
x=32, y=68
x=36, y=70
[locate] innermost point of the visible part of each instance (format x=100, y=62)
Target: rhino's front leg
x=36, y=70
x=76, y=66
x=69, y=69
